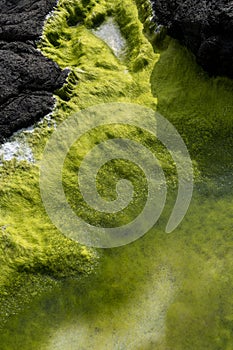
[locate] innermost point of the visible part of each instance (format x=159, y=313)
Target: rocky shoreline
x=28, y=79
x=205, y=27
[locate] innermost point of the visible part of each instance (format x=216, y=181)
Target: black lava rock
x=205, y=27
x=28, y=79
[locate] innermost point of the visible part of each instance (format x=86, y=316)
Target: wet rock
x=27, y=79
x=205, y=27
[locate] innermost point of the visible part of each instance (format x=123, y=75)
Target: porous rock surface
x=205, y=27
x=27, y=79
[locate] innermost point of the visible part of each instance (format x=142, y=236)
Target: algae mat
x=164, y=291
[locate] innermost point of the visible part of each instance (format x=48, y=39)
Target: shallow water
x=124, y=304
x=125, y=327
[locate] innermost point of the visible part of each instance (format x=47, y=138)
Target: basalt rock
x=28, y=79
x=205, y=27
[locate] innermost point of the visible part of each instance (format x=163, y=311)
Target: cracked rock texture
x=28, y=79
x=205, y=27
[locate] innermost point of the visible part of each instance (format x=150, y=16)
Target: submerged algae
x=160, y=292
x=201, y=108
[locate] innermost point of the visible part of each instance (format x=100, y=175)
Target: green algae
x=193, y=266
x=97, y=75
x=199, y=107
x=160, y=292
x=30, y=245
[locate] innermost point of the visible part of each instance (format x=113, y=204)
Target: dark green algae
x=193, y=265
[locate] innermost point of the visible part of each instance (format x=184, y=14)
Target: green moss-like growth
x=196, y=280
x=200, y=107
x=30, y=244
x=96, y=74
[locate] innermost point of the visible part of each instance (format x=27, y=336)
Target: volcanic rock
x=205, y=27
x=28, y=79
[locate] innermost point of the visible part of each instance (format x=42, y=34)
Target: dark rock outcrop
x=28, y=79
x=205, y=27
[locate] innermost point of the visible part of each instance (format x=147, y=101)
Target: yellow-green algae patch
x=31, y=247
x=160, y=292
x=33, y=253
x=200, y=107
x=195, y=285
x=97, y=75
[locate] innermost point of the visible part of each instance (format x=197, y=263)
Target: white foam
x=17, y=146
x=110, y=33
x=18, y=149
